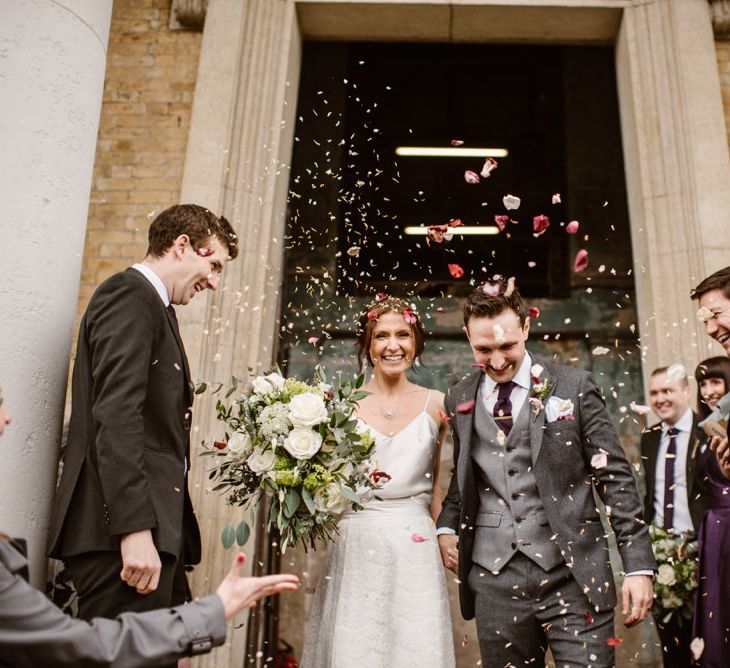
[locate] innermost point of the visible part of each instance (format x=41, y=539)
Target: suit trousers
x=523, y=609
x=675, y=639
x=102, y=593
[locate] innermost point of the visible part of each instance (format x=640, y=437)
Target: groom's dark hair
x=492, y=298
x=720, y=280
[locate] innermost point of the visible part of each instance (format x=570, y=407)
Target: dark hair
x=714, y=367
x=492, y=298
x=720, y=280
x=197, y=222
x=370, y=316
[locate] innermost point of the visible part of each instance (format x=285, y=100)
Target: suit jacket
x=36, y=634
x=561, y=453
x=696, y=488
x=128, y=439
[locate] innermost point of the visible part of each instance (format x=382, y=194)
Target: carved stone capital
x=720, y=10
x=188, y=14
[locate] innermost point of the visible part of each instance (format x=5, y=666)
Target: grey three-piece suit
x=533, y=558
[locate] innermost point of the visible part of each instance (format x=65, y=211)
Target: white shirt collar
x=156, y=281
x=521, y=378
x=683, y=424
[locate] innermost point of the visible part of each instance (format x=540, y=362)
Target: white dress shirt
x=156, y=281
x=682, y=518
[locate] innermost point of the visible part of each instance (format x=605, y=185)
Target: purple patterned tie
x=171, y=310
x=503, y=407
x=669, y=460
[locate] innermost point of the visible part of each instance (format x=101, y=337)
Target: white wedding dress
x=381, y=601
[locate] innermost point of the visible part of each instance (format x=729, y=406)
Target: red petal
x=455, y=222
x=581, y=260
x=466, y=407
x=501, y=221
x=614, y=642
x=456, y=271
x=372, y=315
x=572, y=227
x=540, y=224
x=381, y=296
x=471, y=177
x=589, y=617
x=533, y=312
x=220, y=445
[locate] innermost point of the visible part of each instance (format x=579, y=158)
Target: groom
x=532, y=443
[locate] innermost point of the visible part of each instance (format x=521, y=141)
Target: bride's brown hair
x=370, y=316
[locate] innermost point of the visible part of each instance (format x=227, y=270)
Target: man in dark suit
x=532, y=443
x=123, y=521
x=675, y=496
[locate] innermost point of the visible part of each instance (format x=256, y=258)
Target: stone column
x=237, y=164
x=52, y=61
x=677, y=169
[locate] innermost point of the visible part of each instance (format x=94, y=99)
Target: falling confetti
x=639, y=409
x=456, y=271
x=471, y=177
x=599, y=461
x=600, y=350
x=501, y=221
x=418, y=538
x=466, y=407
x=511, y=202
x=581, y=260
x=457, y=142
x=556, y=198
x=489, y=166
x=540, y=224
x=572, y=227
x=533, y=312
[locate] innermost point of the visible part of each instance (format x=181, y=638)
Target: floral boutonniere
x=541, y=388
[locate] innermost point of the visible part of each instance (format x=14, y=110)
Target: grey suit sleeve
x=34, y=632
x=450, y=509
x=614, y=481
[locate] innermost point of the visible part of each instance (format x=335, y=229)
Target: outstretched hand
x=238, y=592
x=637, y=596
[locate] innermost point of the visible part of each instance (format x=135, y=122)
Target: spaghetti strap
x=428, y=398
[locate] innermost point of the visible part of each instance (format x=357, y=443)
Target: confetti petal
x=491, y=289
x=511, y=202
x=457, y=142
x=599, y=461
x=581, y=260
x=556, y=198
x=614, y=642
x=540, y=224
x=489, y=166
x=510, y=286
x=705, y=315
x=601, y=350
x=372, y=315
x=639, y=409
x=314, y=340
x=572, y=227
x=220, y=445
x=533, y=312
x=465, y=407
x=418, y=538
x=471, y=177
x=456, y=271
x=697, y=647
x=501, y=221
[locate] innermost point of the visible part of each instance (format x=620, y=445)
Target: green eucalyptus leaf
x=243, y=532
x=228, y=536
x=308, y=500
x=291, y=502
x=349, y=494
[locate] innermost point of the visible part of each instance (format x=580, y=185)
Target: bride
x=381, y=601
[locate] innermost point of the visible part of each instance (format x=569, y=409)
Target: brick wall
x=145, y=116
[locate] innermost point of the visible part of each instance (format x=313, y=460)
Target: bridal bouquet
x=676, y=579
x=299, y=444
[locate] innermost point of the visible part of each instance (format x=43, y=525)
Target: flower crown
x=410, y=315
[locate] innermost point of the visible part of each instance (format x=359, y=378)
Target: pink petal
x=471, y=177
x=501, y=221
x=556, y=198
x=466, y=407
x=455, y=222
x=639, y=409
x=457, y=142
x=418, y=538
x=614, y=642
x=533, y=312
x=491, y=289
x=489, y=166
x=540, y=224
x=572, y=227
x=372, y=315
x=314, y=340
x=439, y=309
x=581, y=260
x=478, y=366
x=456, y=271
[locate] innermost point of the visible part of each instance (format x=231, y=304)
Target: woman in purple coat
x=712, y=605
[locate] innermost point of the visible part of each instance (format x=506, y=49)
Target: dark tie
x=669, y=460
x=503, y=407
x=171, y=311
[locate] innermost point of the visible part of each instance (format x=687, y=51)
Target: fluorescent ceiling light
x=464, y=230
x=450, y=152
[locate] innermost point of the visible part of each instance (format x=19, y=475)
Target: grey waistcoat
x=511, y=516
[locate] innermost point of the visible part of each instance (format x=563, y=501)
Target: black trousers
x=675, y=639
x=102, y=593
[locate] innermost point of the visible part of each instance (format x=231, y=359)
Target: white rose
x=276, y=380
x=260, y=461
x=665, y=575
x=303, y=443
x=307, y=410
x=240, y=444
x=330, y=500
x=262, y=386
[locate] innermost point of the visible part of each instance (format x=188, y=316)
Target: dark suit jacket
x=561, y=453
x=696, y=489
x=36, y=634
x=124, y=466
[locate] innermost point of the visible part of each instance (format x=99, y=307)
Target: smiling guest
x=122, y=520
x=675, y=497
x=532, y=443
